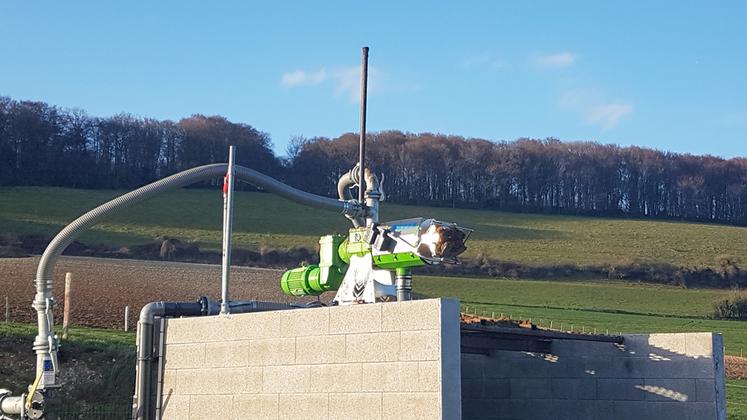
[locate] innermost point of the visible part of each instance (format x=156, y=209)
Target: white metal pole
x=7, y=310
x=227, y=230
x=127, y=318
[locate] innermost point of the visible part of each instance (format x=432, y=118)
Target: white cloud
x=609, y=114
x=301, y=78
x=596, y=108
x=345, y=81
x=555, y=61
x=575, y=98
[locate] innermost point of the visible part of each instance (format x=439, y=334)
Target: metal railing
x=109, y=410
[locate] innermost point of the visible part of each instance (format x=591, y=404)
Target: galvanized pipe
x=373, y=196
x=347, y=180
x=227, y=230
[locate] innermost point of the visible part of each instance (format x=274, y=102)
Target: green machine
x=375, y=263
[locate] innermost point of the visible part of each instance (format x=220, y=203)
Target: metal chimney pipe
x=362, y=147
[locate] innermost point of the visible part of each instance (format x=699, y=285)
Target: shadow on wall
x=659, y=376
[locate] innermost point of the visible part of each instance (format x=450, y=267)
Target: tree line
x=42, y=144
x=531, y=175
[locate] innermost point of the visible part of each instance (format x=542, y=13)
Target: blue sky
x=669, y=75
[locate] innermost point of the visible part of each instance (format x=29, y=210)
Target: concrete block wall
x=657, y=376
x=379, y=361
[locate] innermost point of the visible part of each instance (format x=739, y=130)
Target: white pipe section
x=11, y=405
x=227, y=231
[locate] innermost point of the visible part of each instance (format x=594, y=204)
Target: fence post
x=7, y=310
x=127, y=318
x=66, y=312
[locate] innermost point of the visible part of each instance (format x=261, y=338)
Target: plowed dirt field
x=101, y=288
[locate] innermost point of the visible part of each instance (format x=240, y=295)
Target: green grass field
x=607, y=306
x=736, y=399
x=268, y=220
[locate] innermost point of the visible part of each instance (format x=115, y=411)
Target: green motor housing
x=314, y=280
x=301, y=281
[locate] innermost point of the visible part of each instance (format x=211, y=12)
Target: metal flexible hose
x=181, y=179
x=45, y=342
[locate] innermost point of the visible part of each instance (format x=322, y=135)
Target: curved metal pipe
x=272, y=185
x=142, y=406
x=346, y=181
x=45, y=342
x=181, y=179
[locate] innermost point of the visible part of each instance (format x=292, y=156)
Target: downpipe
x=142, y=405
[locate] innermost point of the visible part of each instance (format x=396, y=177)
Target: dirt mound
x=736, y=367
x=467, y=319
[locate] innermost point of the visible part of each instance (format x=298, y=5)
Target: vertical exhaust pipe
x=362, y=145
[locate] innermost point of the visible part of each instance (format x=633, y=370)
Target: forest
x=41, y=144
